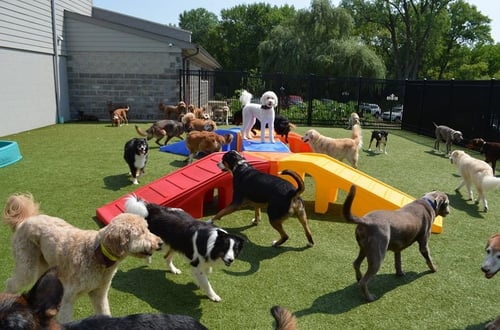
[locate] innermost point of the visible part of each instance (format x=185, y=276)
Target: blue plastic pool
x=9, y=153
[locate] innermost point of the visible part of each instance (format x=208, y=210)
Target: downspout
x=55, y=41
x=184, y=60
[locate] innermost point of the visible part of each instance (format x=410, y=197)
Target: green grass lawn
x=74, y=168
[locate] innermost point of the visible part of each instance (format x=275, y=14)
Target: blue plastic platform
x=257, y=146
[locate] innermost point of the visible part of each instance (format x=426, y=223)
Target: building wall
x=111, y=65
x=27, y=63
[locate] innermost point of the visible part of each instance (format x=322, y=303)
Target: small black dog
x=254, y=187
x=136, y=155
x=282, y=126
x=381, y=138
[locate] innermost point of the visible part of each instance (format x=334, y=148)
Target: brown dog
x=491, y=151
x=195, y=124
x=118, y=113
x=198, y=112
x=173, y=112
x=163, y=128
x=206, y=142
x=490, y=266
x=379, y=231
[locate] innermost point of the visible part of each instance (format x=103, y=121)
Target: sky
x=167, y=12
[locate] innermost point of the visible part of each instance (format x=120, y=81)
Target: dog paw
x=214, y=297
x=255, y=221
x=174, y=270
x=371, y=297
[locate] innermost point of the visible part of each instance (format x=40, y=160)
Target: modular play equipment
x=193, y=185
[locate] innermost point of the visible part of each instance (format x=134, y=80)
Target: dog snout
x=228, y=261
x=159, y=243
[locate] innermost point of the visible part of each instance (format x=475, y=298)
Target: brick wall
x=141, y=80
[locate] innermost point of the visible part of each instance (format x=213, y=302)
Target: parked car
x=396, y=114
x=372, y=108
x=291, y=100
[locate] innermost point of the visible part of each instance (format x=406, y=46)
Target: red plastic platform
x=187, y=188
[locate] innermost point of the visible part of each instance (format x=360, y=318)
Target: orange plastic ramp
x=295, y=143
x=187, y=188
x=330, y=175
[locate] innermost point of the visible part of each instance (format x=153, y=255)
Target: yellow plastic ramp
x=330, y=175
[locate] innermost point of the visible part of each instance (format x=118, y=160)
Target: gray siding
x=28, y=93
x=27, y=25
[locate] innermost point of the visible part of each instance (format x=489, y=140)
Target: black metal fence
x=470, y=106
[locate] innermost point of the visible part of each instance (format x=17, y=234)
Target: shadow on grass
x=254, y=254
x=459, y=202
x=477, y=326
x=350, y=297
x=434, y=152
x=165, y=295
x=116, y=182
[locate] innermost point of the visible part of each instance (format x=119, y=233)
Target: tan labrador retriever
x=477, y=173
x=491, y=266
x=382, y=230
x=336, y=148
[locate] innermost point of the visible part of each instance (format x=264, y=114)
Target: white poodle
x=86, y=260
x=263, y=112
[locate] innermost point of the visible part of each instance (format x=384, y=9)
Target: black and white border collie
x=201, y=243
x=381, y=138
x=135, y=154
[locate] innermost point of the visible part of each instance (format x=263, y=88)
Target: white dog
x=263, y=112
x=474, y=172
x=86, y=260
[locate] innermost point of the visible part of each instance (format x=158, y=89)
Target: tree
x=200, y=22
x=418, y=38
x=319, y=41
x=240, y=31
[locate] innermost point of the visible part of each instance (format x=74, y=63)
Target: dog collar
x=105, y=257
x=265, y=107
x=433, y=204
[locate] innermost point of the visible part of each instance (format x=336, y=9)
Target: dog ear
x=46, y=295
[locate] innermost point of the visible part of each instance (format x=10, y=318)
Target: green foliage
x=199, y=21
x=319, y=41
x=74, y=168
x=422, y=39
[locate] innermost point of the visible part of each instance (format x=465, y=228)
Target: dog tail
x=490, y=183
x=245, y=98
x=346, y=208
x=284, y=319
x=300, y=183
x=435, y=125
x=140, y=131
x=18, y=208
x=135, y=205
x=357, y=135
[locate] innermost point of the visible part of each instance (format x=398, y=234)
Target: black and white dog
x=136, y=155
x=381, y=138
x=201, y=243
x=250, y=186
